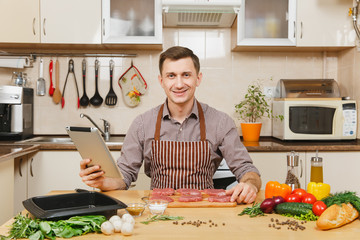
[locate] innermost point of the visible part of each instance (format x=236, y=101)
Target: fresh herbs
x=25, y=227
x=253, y=211
x=162, y=218
x=343, y=197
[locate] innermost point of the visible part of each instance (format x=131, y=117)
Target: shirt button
x=180, y=129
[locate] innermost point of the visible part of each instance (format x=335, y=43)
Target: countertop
x=266, y=144
x=229, y=224
x=11, y=150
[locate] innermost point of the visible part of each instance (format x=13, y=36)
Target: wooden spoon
x=57, y=93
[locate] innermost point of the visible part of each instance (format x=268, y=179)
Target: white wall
x=226, y=76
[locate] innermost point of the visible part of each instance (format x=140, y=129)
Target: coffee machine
x=16, y=112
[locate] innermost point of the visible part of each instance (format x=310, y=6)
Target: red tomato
x=300, y=192
x=292, y=198
x=318, y=208
x=309, y=198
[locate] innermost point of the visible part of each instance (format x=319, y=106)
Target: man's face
x=179, y=80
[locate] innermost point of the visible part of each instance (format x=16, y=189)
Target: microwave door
x=311, y=120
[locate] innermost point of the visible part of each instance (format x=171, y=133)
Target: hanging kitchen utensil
x=70, y=70
x=84, y=100
x=57, y=93
x=132, y=85
x=40, y=84
x=51, y=88
x=111, y=98
x=96, y=100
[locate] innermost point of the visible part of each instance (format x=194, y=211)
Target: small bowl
x=157, y=207
x=135, y=209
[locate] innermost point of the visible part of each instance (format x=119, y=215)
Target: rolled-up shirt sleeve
x=131, y=157
x=233, y=151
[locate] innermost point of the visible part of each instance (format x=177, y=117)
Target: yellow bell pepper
x=319, y=190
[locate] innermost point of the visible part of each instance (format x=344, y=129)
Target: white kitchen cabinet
x=131, y=22
x=273, y=166
x=67, y=21
x=266, y=23
x=302, y=23
x=20, y=21
x=340, y=170
x=7, y=189
x=324, y=23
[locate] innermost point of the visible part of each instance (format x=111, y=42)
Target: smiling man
x=181, y=142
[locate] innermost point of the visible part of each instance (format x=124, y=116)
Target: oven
x=223, y=177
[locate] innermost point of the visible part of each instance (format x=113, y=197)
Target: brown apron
x=176, y=164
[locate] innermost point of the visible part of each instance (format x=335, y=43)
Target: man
x=182, y=141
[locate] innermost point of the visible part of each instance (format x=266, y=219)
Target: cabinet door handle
x=301, y=171
x=31, y=171
x=294, y=29
x=103, y=26
x=20, y=163
x=34, y=27
x=44, y=21
x=301, y=33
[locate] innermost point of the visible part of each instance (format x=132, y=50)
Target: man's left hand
x=243, y=192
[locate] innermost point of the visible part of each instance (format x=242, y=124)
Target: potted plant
x=251, y=110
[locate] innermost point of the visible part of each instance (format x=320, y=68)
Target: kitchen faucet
x=106, y=132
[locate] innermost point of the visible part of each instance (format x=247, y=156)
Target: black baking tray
x=64, y=206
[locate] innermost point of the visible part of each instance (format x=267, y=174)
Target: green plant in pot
x=253, y=108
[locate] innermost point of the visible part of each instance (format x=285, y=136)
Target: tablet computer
x=90, y=144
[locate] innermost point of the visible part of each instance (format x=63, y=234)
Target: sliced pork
x=163, y=191
x=215, y=192
x=219, y=198
x=161, y=197
x=190, y=198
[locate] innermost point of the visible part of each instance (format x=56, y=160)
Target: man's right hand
x=93, y=177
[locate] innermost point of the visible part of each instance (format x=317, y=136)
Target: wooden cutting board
x=201, y=204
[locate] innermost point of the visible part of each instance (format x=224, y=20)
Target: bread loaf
x=337, y=216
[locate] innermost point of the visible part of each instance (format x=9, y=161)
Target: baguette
x=337, y=216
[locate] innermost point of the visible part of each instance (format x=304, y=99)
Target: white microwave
x=315, y=119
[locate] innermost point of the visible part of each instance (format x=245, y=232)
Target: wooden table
x=236, y=227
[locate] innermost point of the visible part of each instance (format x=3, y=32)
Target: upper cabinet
x=20, y=21
x=302, y=23
x=324, y=23
x=69, y=21
x=131, y=22
x=266, y=23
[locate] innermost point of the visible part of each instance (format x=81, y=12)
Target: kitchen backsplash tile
x=226, y=75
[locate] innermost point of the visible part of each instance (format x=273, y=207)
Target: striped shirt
x=221, y=133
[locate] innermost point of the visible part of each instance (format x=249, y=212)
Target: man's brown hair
x=176, y=53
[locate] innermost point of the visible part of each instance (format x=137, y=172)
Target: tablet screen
x=90, y=144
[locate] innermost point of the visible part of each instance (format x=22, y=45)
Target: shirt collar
x=194, y=112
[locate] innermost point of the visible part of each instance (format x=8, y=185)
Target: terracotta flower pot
x=251, y=131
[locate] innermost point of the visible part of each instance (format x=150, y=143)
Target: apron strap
x=158, y=123
x=202, y=122
x=201, y=119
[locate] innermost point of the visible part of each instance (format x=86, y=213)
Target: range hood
x=199, y=13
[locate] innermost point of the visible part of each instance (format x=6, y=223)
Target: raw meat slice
x=190, y=198
x=163, y=191
x=189, y=191
x=161, y=197
x=215, y=192
x=219, y=198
